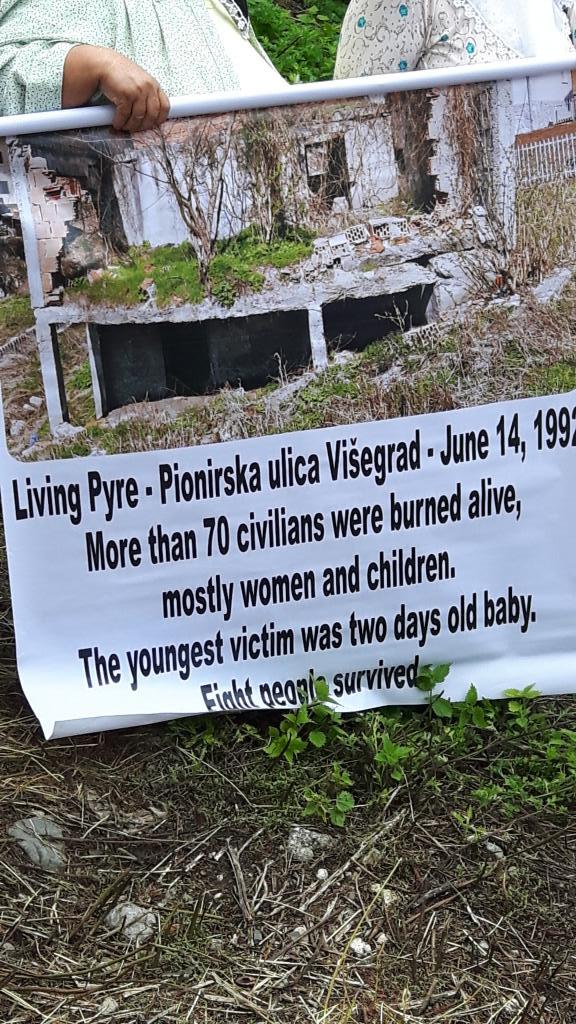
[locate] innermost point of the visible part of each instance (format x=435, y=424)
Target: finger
x=152, y=110
x=138, y=115
x=123, y=114
x=164, y=106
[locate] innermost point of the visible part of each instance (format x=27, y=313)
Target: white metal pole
x=217, y=103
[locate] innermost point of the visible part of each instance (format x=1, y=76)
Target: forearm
x=82, y=74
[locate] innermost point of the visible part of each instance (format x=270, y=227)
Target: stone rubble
x=360, y=948
x=136, y=924
x=40, y=839
x=306, y=844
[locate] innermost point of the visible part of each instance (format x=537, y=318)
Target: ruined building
x=409, y=203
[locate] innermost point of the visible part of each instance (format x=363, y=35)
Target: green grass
x=81, y=378
x=172, y=268
x=546, y=216
x=15, y=315
x=236, y=267
x=553, y=380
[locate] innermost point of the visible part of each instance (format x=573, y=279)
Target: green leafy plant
x=333, y=801
x=429, y=678
x=313, y=724
x=301, y=40
x=519, y=704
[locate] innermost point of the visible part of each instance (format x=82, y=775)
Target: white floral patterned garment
x=185, y=44
x=383, y=36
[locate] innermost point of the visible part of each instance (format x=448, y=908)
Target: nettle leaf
x=439, y=673
x=442, y=708
x=345, y=801
x=302, y=716
x=479, y=718
x=341, y=776
x=472, y=695
x=528, y=693
x=317, y=738
x=321, y=690
x=294, y=747
x=321, y=712
x=425, y=682
x=515, y=706
x=276, y=747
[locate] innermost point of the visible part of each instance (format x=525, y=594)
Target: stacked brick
x=54, y=201
x=370, y=237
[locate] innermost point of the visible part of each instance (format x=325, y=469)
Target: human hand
x=139, y=100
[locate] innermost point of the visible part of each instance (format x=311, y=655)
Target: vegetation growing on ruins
x=171, y=273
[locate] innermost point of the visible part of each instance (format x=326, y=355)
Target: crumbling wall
x=277, y=169
x=66, y=226
x=410, y=115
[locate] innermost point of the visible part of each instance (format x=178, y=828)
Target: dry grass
x=546, y=217
x=456, y=933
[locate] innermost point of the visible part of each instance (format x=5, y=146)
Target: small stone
x=17, y=427
x=495, y=850
x=35, y=402
x=551, y=287
x=360, y=948
x=322, y=875
x=28, y=408
x=507, y=302
x=305, y=844
x=299, y=932
x=136, y=923
x=388, y=896
x=343, y=357
x=258, y=936
x=39, y=838
x=66, y=431
x=381, y=939
x=109, y=1007
x=372, y=858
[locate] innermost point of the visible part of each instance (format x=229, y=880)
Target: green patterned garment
x=176, y=41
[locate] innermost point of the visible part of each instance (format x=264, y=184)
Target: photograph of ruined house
x=284, y=268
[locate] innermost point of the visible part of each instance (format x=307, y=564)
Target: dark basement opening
x=355, y=323
x=139, y=362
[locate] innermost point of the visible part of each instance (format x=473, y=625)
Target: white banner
x=228, y=577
